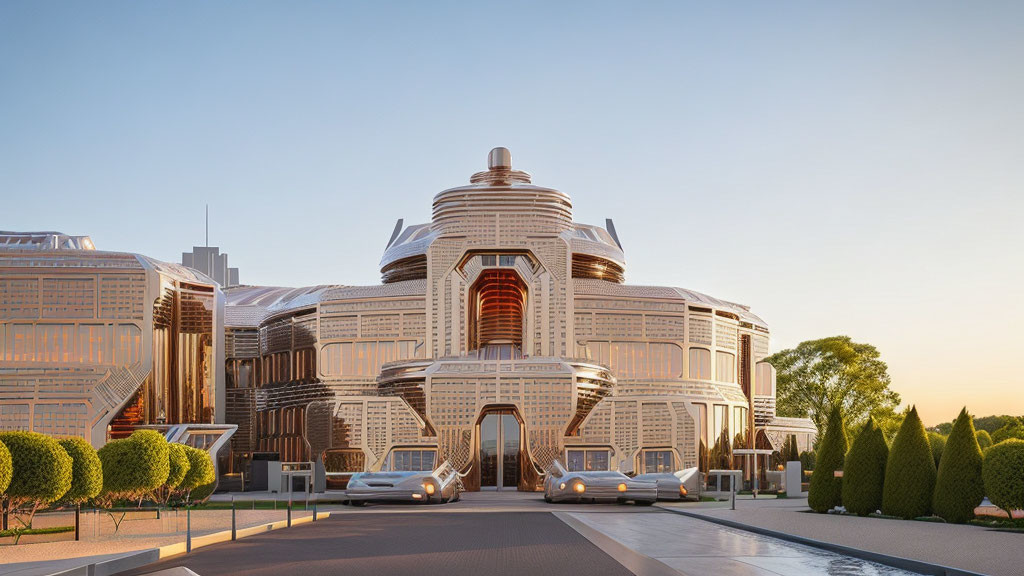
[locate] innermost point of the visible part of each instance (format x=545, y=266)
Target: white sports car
x=595, y=486
x=427, y=486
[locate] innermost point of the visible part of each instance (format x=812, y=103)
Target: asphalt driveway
x=423, y=544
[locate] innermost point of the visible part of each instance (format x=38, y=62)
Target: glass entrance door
x=499, y=451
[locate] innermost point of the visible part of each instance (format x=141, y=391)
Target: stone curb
x=140, y=558
x=909, y=564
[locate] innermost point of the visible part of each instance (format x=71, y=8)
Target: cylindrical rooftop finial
x=499, y=159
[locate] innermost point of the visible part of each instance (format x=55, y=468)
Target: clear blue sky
x=852, y=168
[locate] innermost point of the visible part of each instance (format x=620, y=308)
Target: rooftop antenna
x=207, y=225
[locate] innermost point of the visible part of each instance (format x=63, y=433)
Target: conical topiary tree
x=937, y=442
x=909, y=472
x=826, y=490
x=959, y=487
x=864, y=471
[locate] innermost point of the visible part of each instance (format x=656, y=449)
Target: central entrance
x=500, y=446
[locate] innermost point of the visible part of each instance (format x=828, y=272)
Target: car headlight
x=579, y=488
x=561, y=486
x=429, y=488
x=622, y=487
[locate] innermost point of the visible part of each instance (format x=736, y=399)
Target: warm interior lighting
x=499, y=306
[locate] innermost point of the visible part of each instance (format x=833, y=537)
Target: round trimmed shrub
x=984, y=439
x=135, y=466
x=864, y=471
x=937, y=442
x=86, y=470
x=179, y=464
x=1008, y=431
x=958, y=486
x=909, y=472
x=41, y=469
x=5, y=467
x=200, y=472
x=826, y=491
x=1003, y=474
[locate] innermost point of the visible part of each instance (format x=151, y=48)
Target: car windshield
x=600, y=474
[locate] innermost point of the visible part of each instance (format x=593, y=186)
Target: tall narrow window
x=726, y=367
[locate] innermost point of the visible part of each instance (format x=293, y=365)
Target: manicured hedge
x=5, y=467
x=86, y=470
x=958, y=486
x=1008, y=431
x=909, y=472
x=1003, y=473
x=179, y=464
x=825, y=489
x=864, y=471
x=984, y=439
x=41, y=469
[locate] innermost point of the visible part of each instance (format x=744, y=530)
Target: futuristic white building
x=501, y=338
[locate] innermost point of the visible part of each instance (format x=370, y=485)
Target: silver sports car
x=428, y=486
x=673, y=485
x=593, y=486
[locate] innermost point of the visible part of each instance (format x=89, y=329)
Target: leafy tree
x=136, y=466
x=889, y=420
x=826, y=490
x=909, y=472
x=5, y=467
x=1003, y=474
x=938, y=443
x=864, y=471
x=835, y=372
x=1009, y=430
x=992, y=423
x=200, y=472
x=958, y=486
x=984, y=439
x=41, y=470
x=86, y=471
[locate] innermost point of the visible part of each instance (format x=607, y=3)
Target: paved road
x=446, y=544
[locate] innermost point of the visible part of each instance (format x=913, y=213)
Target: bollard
x=188, y=528
x=4, y=524
x=289, y=513
x=314, y=508
x=78, y=522
x=234, y=531
x=732, y=493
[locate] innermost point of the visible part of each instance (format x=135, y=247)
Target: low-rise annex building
x=95, y=344
x=503, y=336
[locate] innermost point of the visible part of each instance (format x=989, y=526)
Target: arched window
x=700, y=364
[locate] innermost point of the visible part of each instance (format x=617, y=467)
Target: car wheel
x=358, y=503
x=547, y=499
